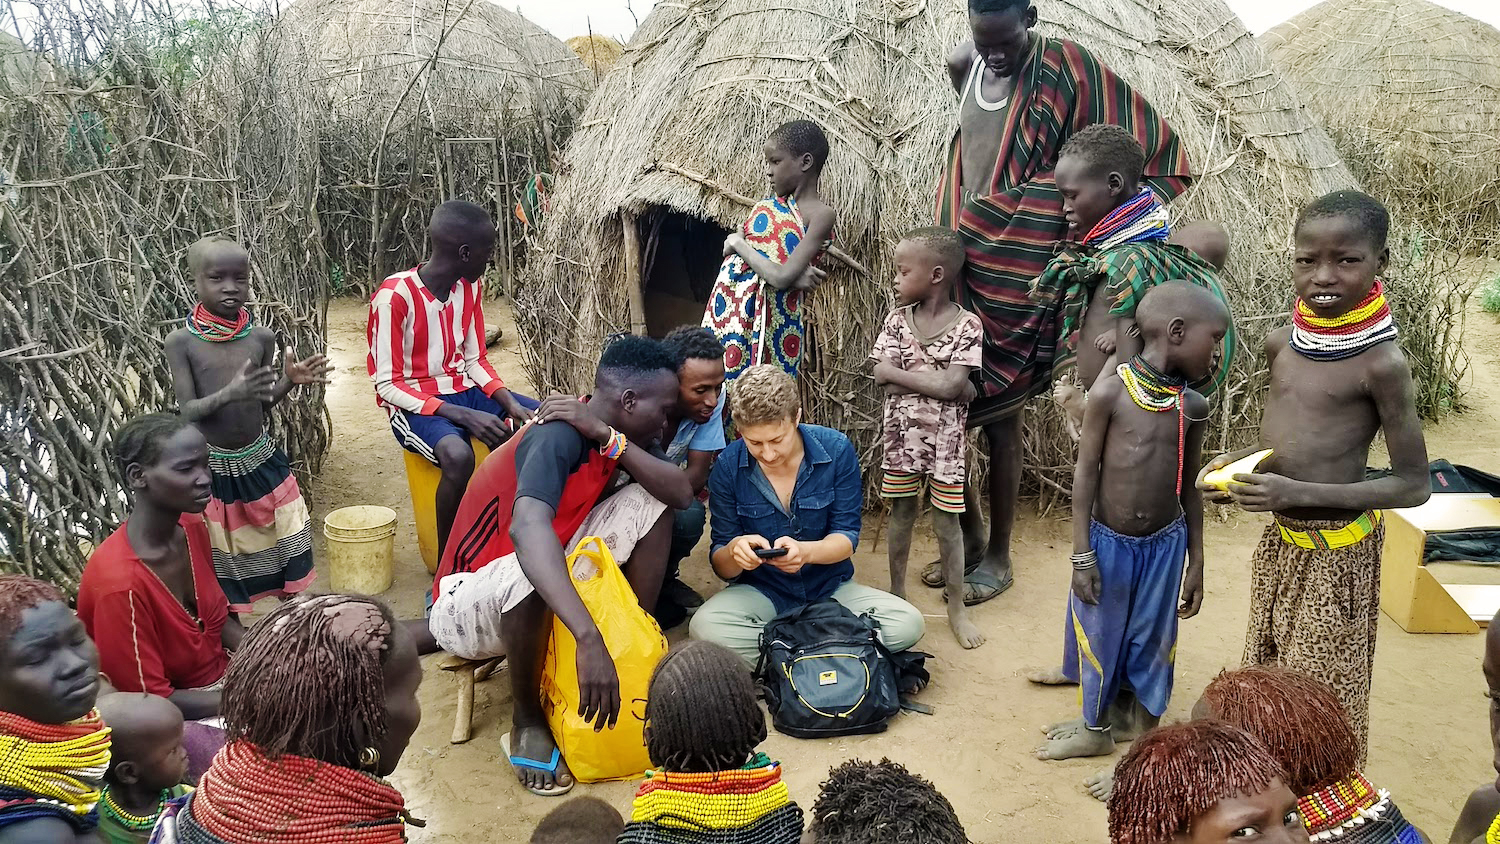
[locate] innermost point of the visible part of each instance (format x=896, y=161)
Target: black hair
x=945, y=245
x=140, y=440
x=802, y=137
x=457, y=221
x=869, y=803
x=693, y=342
x=701, y=712
x=632, y=355
x=582, y=820
x=995, y=7
x=1111, y=149
x=1365, y=210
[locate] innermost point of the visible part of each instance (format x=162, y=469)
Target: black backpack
x=824, y=672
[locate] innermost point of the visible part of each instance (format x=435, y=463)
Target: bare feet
x=1063, y=729
x=1077, y=744
x=964, y=630
x=535, y=745
x=1073, y=401
x=1101, y=784
x=1050, y=677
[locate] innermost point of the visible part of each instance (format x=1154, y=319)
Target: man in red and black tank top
x=532, y=495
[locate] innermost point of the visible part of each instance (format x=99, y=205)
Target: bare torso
x=213, y=366
x=1320, y=418
x=1138, y=472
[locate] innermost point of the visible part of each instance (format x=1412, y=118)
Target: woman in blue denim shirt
x=795, y=487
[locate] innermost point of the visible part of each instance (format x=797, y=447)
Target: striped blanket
x=258, y=525
x=1011, y=227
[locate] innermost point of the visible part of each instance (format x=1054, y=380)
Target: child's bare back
x=244, y=364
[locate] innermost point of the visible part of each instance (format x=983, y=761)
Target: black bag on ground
x=825, y=673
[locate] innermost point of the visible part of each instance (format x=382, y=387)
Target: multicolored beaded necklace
x=1154, y=390
x=750, y=804
x=1143, y=217
x=1353, y=810
x=138, y=823
x=1336, y=338
x=1493, y=836
x=206, y=326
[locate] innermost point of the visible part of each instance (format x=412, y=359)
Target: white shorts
x=466, y=611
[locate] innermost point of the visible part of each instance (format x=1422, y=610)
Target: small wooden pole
x=634, y=284
x=502, y=202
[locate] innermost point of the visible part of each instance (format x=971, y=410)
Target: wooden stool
x=422, y=481
x=1409, y=594
x=470, y=671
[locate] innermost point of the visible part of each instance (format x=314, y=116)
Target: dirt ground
x=1429, y=734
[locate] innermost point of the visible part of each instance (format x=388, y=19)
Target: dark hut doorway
x=679, y=259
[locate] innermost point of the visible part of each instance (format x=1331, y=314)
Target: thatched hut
x=668, y=154
x=426, y=101
x=22, y=70
x=1410, y=91
x=599, y=52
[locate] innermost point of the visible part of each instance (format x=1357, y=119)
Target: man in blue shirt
x=786, y=501
x=694, y=436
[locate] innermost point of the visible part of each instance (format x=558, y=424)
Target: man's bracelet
x=614, y=445
x=1085, y=561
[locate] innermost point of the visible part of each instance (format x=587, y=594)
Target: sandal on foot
x=981, y=586
x=932, y=573
x=557, y=789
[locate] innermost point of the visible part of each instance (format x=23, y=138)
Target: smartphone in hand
x=770, y=553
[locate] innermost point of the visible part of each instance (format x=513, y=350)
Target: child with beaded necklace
x=146, y=767
x=711, y=785
x=1337, y=379
x=222, y=373
x=53, y=746
x=1136, y=516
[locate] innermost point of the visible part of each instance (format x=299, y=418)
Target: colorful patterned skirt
x=258, y=525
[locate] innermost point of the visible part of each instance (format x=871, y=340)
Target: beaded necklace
x=206, y=326
x=1493, y=836
x=1153, y=390
x=59, y=765
x=747, y=804
x=1336, y=338
x=137, y=823
x=1143, y=217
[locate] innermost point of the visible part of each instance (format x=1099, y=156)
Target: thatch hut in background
x=599, y=52
x=1410, y=91
x=22, y=70
x=426, y=101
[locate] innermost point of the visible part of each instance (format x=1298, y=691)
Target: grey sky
x=566, y=18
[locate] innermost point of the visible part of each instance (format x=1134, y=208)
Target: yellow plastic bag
x=636, y=643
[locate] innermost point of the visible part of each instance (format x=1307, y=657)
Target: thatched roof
x=680, y=123
x=23, y=71
x=1408, y=88
x=599, y=52
x=488, y=60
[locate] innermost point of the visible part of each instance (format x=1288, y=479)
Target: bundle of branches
x=425, y=101
x=1410, y=91
x=114, y=164
x=676, y=130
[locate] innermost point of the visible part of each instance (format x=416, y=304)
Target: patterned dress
x=756, y=322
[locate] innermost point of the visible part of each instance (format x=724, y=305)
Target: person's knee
x=455, y=457
x=901, y=625
x=904, y=509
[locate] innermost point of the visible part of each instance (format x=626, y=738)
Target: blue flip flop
x=548, y=767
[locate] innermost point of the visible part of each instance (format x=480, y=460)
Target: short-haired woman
x=790, y=486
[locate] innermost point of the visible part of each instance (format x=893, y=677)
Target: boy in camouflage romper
x=923, y=358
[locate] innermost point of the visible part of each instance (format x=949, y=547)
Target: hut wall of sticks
x=668, y=156
x=117, y=154
x=426, y=101
x=1410, y=92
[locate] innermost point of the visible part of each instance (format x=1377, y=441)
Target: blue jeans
x=687, y=529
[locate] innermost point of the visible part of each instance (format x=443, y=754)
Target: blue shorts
x=419, y=433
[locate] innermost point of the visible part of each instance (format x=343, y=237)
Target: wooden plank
x=1480, y=600
x=1453, y=511
x=634, y=284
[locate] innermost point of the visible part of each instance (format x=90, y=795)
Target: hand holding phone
x=771, y=553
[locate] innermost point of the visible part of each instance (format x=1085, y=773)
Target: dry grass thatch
x=113, y=173
x=1410, y=91
x=426, y=101
x=23, y=70
x=675, y=132
x=599, y=52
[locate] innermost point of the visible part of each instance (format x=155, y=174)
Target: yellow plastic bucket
x=361, y=548
x=422, y=480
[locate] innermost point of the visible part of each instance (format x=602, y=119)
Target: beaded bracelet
x=614, y=445
x=1085, y=561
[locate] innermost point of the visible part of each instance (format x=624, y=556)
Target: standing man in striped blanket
x=1022, y=95
x=427, y=356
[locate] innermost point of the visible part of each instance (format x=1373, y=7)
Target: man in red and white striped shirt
x=427, y=356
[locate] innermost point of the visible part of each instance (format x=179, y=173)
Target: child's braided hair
x=701, y=714
x=1297, y=717
x=308, y=680
x=1174, y=774
x=882, y=803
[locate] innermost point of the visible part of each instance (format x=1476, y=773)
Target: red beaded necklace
x=206, y=326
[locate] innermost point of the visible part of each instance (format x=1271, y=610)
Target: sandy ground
x=1429, y=734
